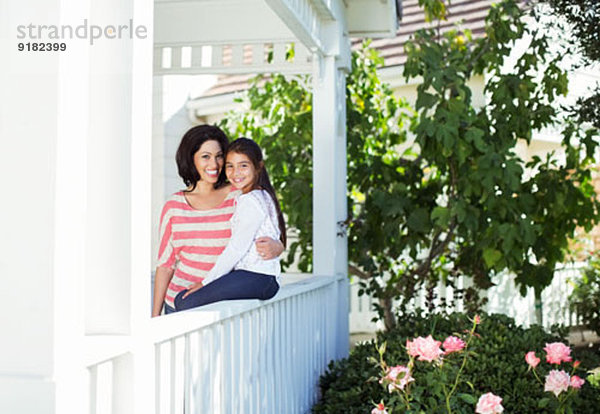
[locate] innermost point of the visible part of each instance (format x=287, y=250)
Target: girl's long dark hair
x=251, y=149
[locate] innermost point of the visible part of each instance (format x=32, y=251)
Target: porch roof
x=251, y=36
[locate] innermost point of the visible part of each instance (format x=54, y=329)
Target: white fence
x=503, y=298
x=233, y=357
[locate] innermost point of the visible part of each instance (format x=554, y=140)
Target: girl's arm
x=248, y=219
x=162, y=278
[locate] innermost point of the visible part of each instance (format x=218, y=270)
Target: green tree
x=583, y=18
x=437, y=191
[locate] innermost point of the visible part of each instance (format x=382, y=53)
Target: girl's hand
x=192, y=289
x=268, y=248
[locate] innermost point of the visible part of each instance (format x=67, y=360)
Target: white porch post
x=28, y=148
x=330, y=244
x=330, y=250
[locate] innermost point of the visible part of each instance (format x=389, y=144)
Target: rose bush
x=557, y=381
x=496, y=366
x=442, y=383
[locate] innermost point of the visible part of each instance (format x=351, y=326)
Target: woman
x=194, y=226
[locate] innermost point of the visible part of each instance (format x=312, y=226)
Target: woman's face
x=240, y=171
x=209, y=161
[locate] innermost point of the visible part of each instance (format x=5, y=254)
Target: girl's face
x=240, y=171
x=209, y=161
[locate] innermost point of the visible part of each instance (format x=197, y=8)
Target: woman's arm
x=269, y=248
x=162, y=279
x=166, y=260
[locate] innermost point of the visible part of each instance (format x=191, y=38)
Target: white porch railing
x=503, y=298
x=236, y=356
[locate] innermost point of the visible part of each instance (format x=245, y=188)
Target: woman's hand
x=192, y=289
x=268, y=248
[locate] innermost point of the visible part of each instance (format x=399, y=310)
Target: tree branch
x=437, y=247
x=355, y=271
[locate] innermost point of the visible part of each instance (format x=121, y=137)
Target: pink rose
x=379, y=409
x=477, y=319
x=557, y=381
x=398, y=376
x=557, y=352
x=453, y=344
x=411, y=348
x=531, y=359
x=576, y=382
x=427, y=349
x=489, y=404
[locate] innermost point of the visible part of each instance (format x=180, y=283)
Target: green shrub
x=498, y=365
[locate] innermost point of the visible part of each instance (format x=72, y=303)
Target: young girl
x=240, y=272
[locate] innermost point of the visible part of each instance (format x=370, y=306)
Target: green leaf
x=468, y=398
x=425, y=100
x=491, y=257
x=543, y=402
x=440, y=216
x=418, y=220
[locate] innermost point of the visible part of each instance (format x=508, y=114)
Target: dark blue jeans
x=239, y=284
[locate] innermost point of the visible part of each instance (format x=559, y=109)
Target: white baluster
x=176, y=58
x=258, y=54
x=187, y=374
x=196, y=57
x=237, y=55
x=172, y=377
x=158, y=380
x=217, y=56
x=220, y=374
x=158, y=59
x=93, y=375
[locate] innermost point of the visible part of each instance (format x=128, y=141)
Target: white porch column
x=330, y=244
x=329, y=168
x=28, y=148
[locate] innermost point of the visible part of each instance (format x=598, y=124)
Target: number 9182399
x=41, y=47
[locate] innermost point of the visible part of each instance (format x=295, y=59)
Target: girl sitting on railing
x=239, y=272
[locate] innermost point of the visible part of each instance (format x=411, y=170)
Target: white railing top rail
x=101, y=348
x=178, y=324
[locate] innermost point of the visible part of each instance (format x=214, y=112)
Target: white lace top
x=255, y=216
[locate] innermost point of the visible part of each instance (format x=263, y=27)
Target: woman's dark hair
x=251, y=149
x=190, y=144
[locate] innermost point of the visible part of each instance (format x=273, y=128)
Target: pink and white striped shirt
x=191, y=240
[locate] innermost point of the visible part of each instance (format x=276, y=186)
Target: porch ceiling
x=251, y=36
x=187, y=22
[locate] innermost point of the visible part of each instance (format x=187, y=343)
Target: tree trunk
x=388, y=316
